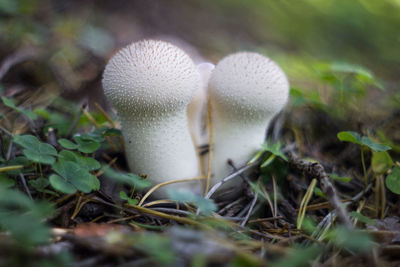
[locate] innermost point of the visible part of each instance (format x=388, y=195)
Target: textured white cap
x=150, y=76
x=249, y=85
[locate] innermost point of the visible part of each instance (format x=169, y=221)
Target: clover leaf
x=355, y=138
x=393, y=180
x=71, y=177
x=35, y=150
x=126, y=178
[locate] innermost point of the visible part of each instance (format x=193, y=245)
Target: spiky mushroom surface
x=150, y=83
x=247, y=90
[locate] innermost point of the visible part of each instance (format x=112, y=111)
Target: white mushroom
x=246, y=91
x=150, y=83
x=198, y=106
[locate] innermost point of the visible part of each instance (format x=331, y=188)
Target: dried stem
x=316, y=170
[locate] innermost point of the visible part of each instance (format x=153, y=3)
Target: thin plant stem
x=364, y=168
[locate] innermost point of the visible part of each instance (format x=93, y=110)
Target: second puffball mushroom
x=246, y=91
x=150, y=83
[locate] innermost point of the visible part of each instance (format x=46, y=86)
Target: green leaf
x=23, y=218
x=355, y=138
x=349, y=136
x=393, y=180
x=86, y=145
x=298, y=257
x=381, y=162
x=157, y=247
x=362, y=218
x=351, y=239
x=36, y=150
x=6, y=182
x=206, y=206
x=39, y=184
x=61, y=184
x=95, y=136
x=126, y=178
x=350, y=68
x=67, y=144
x=112, y=132
x=374, y=146
x=75, y=175
x=274, y=149
x=26, y=141
x=318, y=192
x=336, y=177
x=131, y=201
x=85, y=162
x=43, y=153
x=10, y=103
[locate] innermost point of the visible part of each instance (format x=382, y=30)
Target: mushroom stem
x=236, y=144
x=175, y=156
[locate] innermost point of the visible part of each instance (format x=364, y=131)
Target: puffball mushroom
x=246, y=91
x=150, y=84
x=198, y=106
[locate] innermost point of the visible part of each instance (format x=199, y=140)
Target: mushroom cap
x=151, y=77
x=249, y=84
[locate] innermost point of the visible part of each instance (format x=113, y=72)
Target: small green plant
x=34, y=150
x=393, y=180
x=381, y=161
x=205, y=206
x=365, y=143
x=11, y=104
x=23, y=217
x=274, y=151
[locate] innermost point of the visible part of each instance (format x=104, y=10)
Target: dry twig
x=316, y=170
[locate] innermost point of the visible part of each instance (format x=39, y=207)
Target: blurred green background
x=341, y=56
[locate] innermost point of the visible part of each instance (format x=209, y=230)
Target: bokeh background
x=342, y=57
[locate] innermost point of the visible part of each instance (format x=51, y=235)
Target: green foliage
x=35, y=150
x=5, y=181
x=336, y=177
x=71, y=177
x=362, y=218
x=10, y=103
x=131, y=201
x=205, y=206
x=338, y=71
x=157, y=247
x=274, y=151
x=351, y=239
x=381, y=162
x=88, y=163
x=355, y=138
x=67, y=144
x=39, y=184
x=23, y=217
x=126, y=178
x=88, y=142
x=299, y=257
x=393, y=180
